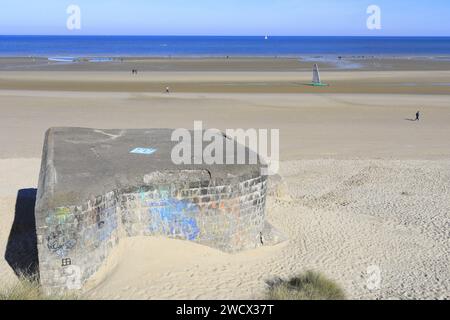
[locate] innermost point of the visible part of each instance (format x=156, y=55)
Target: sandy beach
x=365, y=185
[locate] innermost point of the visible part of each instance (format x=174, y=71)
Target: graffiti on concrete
x=170, y=216
x=62, y=214
x=66, y=262
x=59, y=216
x=174, y=217
x=147, y=151
x=58, y=243
x=107, y=226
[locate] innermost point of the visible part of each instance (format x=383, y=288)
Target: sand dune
x=344, y=216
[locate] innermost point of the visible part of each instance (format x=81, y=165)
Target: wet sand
x=233, y=64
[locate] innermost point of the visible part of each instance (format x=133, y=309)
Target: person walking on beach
x=418, y=116
x=167, y=90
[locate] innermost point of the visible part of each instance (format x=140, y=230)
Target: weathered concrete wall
x=76, y=235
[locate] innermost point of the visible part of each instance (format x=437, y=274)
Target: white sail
x=316, y=74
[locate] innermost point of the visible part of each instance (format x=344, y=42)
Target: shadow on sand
x=413, y=120
x=21, y=250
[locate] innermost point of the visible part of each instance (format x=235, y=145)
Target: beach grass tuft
x=308, y=286
x=26, y=288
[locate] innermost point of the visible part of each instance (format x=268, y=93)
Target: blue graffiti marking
x=147, y=151
x=106, y=229
x=171, y=217
x=59, y=244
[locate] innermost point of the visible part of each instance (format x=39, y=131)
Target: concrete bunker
x=98, y=186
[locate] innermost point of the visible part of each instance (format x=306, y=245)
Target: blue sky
x=226, y=17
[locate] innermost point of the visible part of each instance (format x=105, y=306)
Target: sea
x=64, y=47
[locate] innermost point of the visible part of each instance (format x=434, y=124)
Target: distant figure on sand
x=418, y=116
x=134, y=71
x=167, y=90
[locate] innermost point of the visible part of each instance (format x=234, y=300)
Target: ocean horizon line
x=224, y=36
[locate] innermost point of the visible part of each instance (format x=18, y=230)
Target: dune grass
x=28, y=289
x=308, y=286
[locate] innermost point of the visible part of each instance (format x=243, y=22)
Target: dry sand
x=345, y=216
x=367, y=186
